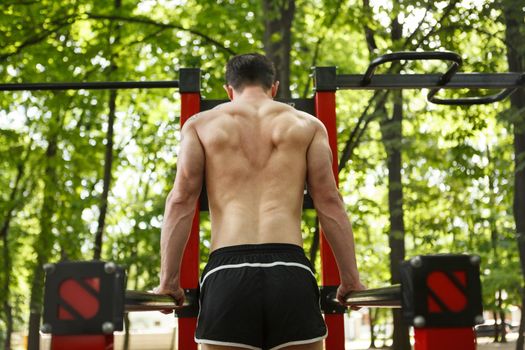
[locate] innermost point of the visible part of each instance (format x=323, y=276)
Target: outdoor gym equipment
x=323, y=106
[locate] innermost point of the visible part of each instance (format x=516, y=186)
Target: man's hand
x=345, y=289
x=177, y=293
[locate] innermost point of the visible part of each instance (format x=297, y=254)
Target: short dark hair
x=250, y=69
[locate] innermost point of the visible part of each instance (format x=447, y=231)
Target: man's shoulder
x=309, y=119
x=287, y=108
x=200, y=117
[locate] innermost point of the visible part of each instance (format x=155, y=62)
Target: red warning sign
x=79, y=298
x=447, y=293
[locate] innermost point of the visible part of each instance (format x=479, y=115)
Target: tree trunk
x=314, y=248
x=498, y=303
x=372, y=319
x=6, y=256
x=516, y=60
x=391, y=130
x=495, y=335
x=521, y=330
x=278, y=19
x=126, y=331
x=393, y=137
x=43, y=245
x=8, y=310
x=108, y=162
x=502, y=332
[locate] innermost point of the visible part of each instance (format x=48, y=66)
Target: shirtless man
x=255, y=154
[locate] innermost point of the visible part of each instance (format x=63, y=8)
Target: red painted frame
x=444, y=338
x=325, y=111
x=82, y=342
x=189, y=275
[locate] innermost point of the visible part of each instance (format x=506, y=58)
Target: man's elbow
x=177, y=198
x=327, y=198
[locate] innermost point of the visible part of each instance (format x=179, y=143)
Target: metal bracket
x=189, y=80
x=192, y=310
x=328, y=304
x=441, y=291
x=83, y=298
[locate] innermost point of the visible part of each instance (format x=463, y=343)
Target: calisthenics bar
x=379, y=297
x=95, y=85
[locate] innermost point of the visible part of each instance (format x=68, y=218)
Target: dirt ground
x=483, y=344
x=488, y=344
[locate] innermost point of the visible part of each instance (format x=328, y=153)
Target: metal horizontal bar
x=388, y=297
x=417, y=56
x=344, y=81
x=97, y=85
x=145, y=301
x=421, y=81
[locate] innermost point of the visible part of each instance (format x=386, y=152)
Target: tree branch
x=37, y=38
x=144, y=20
x=365, y=118
x=320, y=40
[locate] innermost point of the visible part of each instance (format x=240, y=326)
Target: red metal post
x=444, y=338
x=325, y=111
x=82, y=342
x=189, y=278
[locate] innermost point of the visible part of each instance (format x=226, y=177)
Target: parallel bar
x=144, y=301
x=389, y=297
x=344, y=81
x=98, y=85
x=428, y=81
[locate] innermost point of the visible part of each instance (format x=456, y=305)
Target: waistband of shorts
x=257, y=248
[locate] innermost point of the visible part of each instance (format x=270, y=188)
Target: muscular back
x=255, y=170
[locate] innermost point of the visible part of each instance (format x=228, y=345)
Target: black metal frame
x=327, y=79
x=416, y=291
x=95, y=85
x=109, y=297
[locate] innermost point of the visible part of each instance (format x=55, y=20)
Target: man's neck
x=252, y=93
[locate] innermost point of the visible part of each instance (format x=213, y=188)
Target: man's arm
x=331, y=211
x=179, y=211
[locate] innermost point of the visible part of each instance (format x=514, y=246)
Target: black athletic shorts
x=261, y=296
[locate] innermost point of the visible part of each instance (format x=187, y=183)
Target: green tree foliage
x=457, y=163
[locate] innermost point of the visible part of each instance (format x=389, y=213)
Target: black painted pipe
x=95, y=85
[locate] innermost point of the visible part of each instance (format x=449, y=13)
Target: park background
x=84, y=174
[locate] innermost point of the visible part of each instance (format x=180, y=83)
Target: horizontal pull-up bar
x=97, y=85
x=429, y=81
x=327, y=79
x=387, y=297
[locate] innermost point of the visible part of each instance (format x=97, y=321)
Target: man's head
x=250, y=69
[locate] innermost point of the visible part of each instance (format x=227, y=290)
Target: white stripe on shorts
x=236, y=266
